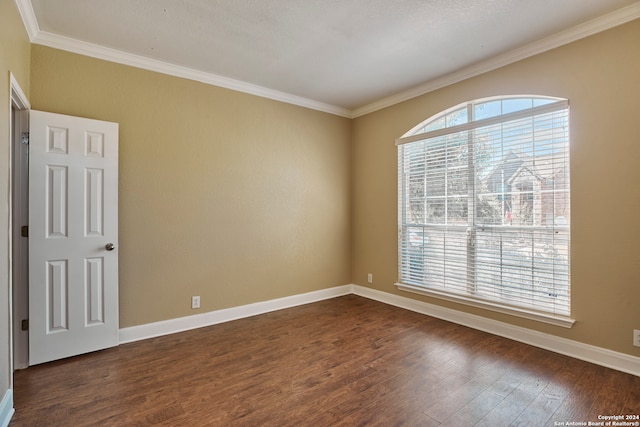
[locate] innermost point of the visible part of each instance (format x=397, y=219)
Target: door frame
x=19, y=107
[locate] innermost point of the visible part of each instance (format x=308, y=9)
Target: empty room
x=319, y=213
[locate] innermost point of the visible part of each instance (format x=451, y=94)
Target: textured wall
x=241, y=199
x=599, y=75
x=225, y=195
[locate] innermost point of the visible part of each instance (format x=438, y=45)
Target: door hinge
x=25, y=325
x=25, y=137
x=24, y=231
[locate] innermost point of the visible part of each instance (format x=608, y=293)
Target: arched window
x=484, y=206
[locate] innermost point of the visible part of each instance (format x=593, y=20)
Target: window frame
x=426, y=130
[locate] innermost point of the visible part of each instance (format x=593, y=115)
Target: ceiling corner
x=28, y=18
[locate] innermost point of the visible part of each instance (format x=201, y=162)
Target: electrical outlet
x=370, y=278
x=195, y=302
x=636, y=337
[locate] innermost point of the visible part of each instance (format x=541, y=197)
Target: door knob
x=109, y=246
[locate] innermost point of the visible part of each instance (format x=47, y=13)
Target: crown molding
x=68, y=44
x=602, y=23
x=28, y=16
x=113, y=55
x=578, y=32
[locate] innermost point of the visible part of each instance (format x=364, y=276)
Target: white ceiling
x=347, y=57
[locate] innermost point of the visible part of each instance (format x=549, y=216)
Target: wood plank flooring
x=347, y=361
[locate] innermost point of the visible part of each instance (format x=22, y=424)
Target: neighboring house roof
x=511, y=163
x=514, y=164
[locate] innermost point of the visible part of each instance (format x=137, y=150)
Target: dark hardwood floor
x=347, y=361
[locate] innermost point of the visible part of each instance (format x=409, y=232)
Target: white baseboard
x=600, y=356
x=6, y=408
x=166, y=327
x=589, y=353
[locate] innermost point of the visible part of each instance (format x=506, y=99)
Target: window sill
x=557, y=320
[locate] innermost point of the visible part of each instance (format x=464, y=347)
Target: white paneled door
x=73, y=236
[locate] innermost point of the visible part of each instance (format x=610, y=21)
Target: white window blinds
x=484, y=206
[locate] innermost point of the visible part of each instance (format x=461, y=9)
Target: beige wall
x=14, y=58
x=600, y=76
x=241, y=199
x=225, y=195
